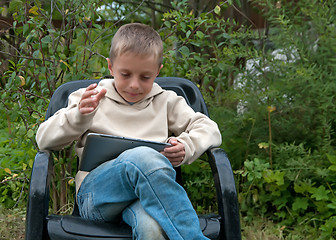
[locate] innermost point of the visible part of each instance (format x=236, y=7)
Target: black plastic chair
x=40, y=225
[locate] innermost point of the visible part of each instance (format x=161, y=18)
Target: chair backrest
x=181, y=86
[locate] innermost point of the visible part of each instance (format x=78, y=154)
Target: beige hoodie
x=158, y=116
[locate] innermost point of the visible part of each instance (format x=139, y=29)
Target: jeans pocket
x=86, y=207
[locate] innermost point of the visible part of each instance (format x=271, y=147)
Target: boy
x=139, y=185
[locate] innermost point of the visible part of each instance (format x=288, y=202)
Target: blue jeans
x=140, y=184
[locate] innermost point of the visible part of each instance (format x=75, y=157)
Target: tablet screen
x=100, y=148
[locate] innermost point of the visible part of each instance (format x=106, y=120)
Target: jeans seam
x=136, y=222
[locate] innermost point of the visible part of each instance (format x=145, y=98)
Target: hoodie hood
x=112, y=93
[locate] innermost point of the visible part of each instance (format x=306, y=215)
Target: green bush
x=46, y=56
x=199, y=184
x=299, y=188
x=15, y=164
x=272, y=93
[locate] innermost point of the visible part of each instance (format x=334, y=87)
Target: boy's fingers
x=93, y=92
x=173, y=149
x=87, y=102
x=91, y=86
x=90, y=90
x=90, y=100
x=86, y=110
x=101, y=94
x=173, y=141
x=175, y=161
x=86, y=106
x=88, y=93
x=175, y=154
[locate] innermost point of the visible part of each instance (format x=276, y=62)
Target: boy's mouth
x=133, y=94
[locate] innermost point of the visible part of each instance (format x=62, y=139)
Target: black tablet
x=100, y=148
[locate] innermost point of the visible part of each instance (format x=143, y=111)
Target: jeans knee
x=87, y=208
x=147, y=159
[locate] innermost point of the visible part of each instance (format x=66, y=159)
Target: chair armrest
x=38, y=198
x=226, y=194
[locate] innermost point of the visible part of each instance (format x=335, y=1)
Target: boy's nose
x=134, y=83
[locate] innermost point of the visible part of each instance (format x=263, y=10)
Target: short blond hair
x=136, y=38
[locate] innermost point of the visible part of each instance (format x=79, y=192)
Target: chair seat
x=74, y=227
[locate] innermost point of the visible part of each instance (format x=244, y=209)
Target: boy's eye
x=146, y=77
x=124, y=74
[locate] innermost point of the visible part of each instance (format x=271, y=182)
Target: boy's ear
x=109, y=64
x=160, y=69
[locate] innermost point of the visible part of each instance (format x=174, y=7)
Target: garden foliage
x=271, y=91
x=54, y=43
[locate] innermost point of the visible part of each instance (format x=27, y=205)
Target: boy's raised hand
x=175, y=153
x=90, y=99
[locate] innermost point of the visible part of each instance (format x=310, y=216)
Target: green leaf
x=300, y=203
x=97, y=26
x=14, y=5
x=200, y=34
x=46, y=39
x=274, y=176
x=188, y=34
x=320, y=193
x=184, y=50
x=280, y=202
x=332, y=205
x=37, y=54
x=332, y=159
x=302, y=187
x=25, y=29
x=168, y=24
x=33, y=10
x=31, y=163
x=171, y=53
x=183, y=26
x=332, y=168
x=64, y=65
x=217, y=10
x=30, y=133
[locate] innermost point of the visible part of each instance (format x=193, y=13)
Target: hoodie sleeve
x=65, y=126
x=195, y=130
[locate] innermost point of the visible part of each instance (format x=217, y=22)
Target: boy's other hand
x=175, y=153
x=90, y=99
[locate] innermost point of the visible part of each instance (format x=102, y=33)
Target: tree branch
x=25, y=57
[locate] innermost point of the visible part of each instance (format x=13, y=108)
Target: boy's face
x=133, y=75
